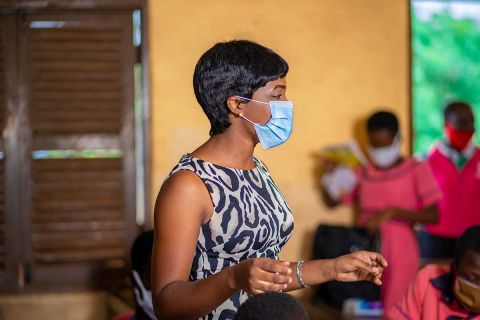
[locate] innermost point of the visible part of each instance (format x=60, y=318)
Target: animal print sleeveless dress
x=250, y=219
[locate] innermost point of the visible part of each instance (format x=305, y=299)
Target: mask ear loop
x=241, y=113
x=243, y=117
x=398, y=138
x=139, y=282
x=239, y=97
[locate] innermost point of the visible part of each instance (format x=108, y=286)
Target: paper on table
x=341, y=181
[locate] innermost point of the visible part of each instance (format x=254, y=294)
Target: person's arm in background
x=428, y=195
x=322, y=167
x=348, y=197
x=327, y=200
x=177, y=226
x=427, y=215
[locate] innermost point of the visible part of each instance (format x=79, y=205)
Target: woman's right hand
x=260, y=275
x=358, y=266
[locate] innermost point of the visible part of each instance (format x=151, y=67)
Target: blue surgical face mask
x=279, y=128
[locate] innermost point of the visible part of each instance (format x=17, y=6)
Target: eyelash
x=277, y=96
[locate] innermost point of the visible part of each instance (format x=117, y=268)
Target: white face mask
x=385, y=157
x=143, y=296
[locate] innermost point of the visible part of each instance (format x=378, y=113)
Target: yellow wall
x=346, y=57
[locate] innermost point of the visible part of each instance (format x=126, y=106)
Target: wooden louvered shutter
x=3, y=109
x=79, y=74
x=9, y=187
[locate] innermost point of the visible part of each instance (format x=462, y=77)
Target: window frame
x=18, y=176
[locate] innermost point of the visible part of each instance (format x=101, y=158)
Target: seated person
x=141, y=256
x=271, y=305
x=440, y=292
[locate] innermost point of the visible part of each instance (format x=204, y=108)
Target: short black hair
x=382, y=120
x=453, y=106
x=271, y=305
x=469, y=241
x=141, y=253
x=237, y=67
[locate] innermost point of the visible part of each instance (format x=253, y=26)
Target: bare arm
x=325, y=167
x=427, y=215
x=327, y=200
x=357, y=266
x=183, y=204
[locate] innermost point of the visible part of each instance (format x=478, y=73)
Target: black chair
x=333, y=241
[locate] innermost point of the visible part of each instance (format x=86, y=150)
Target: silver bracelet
x=299, y=275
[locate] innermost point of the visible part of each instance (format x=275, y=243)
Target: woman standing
x=220, y=220
x=392, y=194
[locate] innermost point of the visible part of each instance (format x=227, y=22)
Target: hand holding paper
x=339, y=182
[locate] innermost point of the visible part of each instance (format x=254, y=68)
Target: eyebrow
x=281, y=86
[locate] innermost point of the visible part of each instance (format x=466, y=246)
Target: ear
x=235, y=105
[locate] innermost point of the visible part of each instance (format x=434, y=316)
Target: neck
x=459, y=150
x=229, y=149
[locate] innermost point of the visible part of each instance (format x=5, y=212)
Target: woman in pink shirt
x=455, y=163
x=440, y=292
x=392, y=194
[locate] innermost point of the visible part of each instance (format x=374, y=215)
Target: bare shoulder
x=183, y=193
x=184, y=181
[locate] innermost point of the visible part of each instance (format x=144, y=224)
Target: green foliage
x=446, y=66
x=82, y=154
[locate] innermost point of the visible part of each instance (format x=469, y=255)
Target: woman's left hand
x=358, y=266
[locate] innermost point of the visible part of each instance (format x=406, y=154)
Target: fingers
x=374, y=278
x=362, y=265
x=375, y=260
x=255, y=291
x=274, y=266
x=379, y=259
x=268, y=286
x=375, y=257
x=274, y=275
x=269, y=275
x=365, y=267
x=368, y=272
x=378, y=280
x=276, y=278
x=268, y=282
